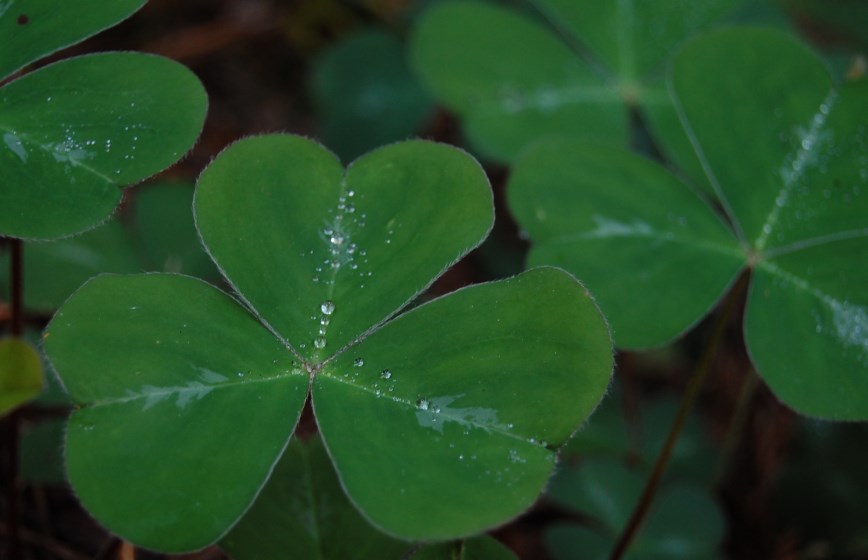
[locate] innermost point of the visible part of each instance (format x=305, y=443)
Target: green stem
x=640, y=511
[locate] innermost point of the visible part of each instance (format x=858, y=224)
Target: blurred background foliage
x=749, y=478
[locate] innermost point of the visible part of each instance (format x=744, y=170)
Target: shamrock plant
x=786, y=150
x=579, y=70
x=187, y=396
x=75, y=131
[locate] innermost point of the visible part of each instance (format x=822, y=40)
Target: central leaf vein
x=795, y=165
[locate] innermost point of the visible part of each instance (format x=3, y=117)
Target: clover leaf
x=302, y=512
x=514, y=79
x=187, y=397
x=75, y=131
x=785, y=149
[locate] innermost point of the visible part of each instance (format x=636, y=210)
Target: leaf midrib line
x=23, y=137
x=625, y=40
x=733, y=251
x=814, y=242
x=800, y=283
x=162, y=395
x=791, y=172
x=413, y=406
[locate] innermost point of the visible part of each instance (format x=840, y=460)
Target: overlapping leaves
x=514, y=79
x=785, y=150
x=188, y=398
x=75, y=131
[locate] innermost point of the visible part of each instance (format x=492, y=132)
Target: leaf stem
x=738, y=422
x=17, y=290
x=641, y=509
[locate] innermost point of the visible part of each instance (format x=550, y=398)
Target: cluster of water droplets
x=338, y=234
x=326, y=309
x=384, y=383
x=75, y=149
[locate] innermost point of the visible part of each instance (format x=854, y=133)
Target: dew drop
x=386, y=374
x=423, y=404
x=327, y=307
x=320, y=343
x=358, y=362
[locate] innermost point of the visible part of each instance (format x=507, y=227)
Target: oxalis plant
x=73, y=133
x=187, y=396
x=786, y=150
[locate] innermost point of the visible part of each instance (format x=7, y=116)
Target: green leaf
x=53, y=271
x=269, y=239
x=580, y=74
x=302, y=512
x=163, y=222
x=75, y=131
x=185, y=403
x=366, y=94
x=510, y=92
x=634, y=39
x=477, y=548
x=787, y=153
x=20, y=373
x=440, y=419
x=628, y=228
x=32, y=29
x=304, y=243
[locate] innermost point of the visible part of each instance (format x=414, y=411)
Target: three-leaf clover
x=441, y=422
x=786, y=150
x=513, y=78
x=75, y=131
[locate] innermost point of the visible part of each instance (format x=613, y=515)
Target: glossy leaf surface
x=20, y=373
x=628, y=228
x=439, y=417
x=77, y=130
x=291, y=231
x=153, y=437
x=785, y=150
x=302, y=512
x=268, y=236
x=32, y=29
x=366, y=94
x=514, y=79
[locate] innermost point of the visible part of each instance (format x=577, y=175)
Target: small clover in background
x=581, y=68
x=785, y=149
x=188, y=396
